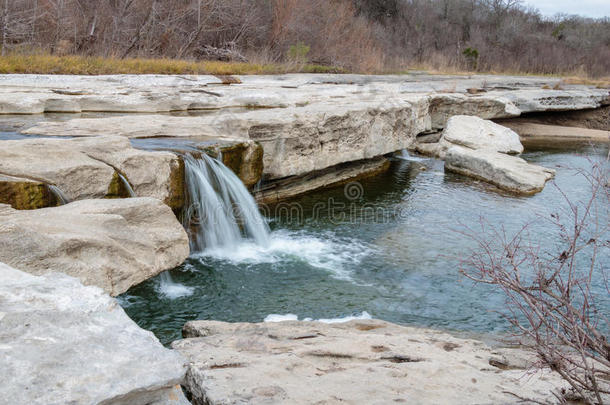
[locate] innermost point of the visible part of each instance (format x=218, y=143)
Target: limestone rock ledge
x=113, y=244
x=84, y=168
x=363, y=361
x=64, y=343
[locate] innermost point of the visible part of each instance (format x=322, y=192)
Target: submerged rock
x=506, y=172
x=362, y=361
x=64, y=343
x=113, y=244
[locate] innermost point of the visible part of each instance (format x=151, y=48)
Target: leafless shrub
x=558, y=301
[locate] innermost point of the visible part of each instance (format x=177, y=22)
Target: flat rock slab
x=85, y=168
x=363, y=361
x=534, y=134
x=64, y=343
x=304, y=123
x=112, y=244
x=509, y=173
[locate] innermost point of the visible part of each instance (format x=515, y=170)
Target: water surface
x=389, y=245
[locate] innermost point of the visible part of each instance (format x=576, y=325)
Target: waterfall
x=61, y=197
x=127, y=186
x=220, y=212
x=404, y=155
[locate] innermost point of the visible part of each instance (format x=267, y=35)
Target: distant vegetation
x=269, y=36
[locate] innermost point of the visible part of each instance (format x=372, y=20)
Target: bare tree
x=555, y=299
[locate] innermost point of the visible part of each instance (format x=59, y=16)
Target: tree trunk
x=4, y=27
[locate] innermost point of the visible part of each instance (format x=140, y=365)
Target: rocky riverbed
x=93, y=185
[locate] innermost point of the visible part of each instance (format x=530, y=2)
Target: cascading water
x=127, y=186
x=61, y=197
x=221, y=213
x=404, y=155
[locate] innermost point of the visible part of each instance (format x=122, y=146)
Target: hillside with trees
x=355, y=35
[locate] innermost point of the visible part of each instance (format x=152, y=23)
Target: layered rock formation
x=64, y=343
x=113, y=244
x=363, y=361
x=305, y=123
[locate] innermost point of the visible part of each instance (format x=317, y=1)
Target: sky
x=586, y=8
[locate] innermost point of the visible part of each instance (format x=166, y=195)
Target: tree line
x=358, y=35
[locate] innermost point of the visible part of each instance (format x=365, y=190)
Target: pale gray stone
x=362, y=361
x=509, y=173
x=113, y=244
x=64, y=343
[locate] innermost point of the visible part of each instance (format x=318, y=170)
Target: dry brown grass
x=601, y=83
x=85, y=65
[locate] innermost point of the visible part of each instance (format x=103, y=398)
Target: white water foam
x=292, y=317
x=172, y=290
x=404, y=155
x=325, y=251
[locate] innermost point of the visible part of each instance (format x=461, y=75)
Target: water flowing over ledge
x=220, y=212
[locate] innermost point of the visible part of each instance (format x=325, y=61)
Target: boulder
x=85, y=168
x=508, y=173
x=362, y=361
x=64, y=343
x=113, y=244
x=483, y=149
x=476, y=133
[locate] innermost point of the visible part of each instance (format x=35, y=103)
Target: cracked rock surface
x=64, y=343
x=362, y=361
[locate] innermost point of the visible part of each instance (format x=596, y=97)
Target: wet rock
x=508, y=173
x=363, y=361
x=24, y=194
x=64, y=343
x=245, y=159
x=112, y=244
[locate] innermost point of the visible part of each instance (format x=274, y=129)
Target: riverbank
x=91, y=65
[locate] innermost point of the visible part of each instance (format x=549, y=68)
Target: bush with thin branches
x=557, y=301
